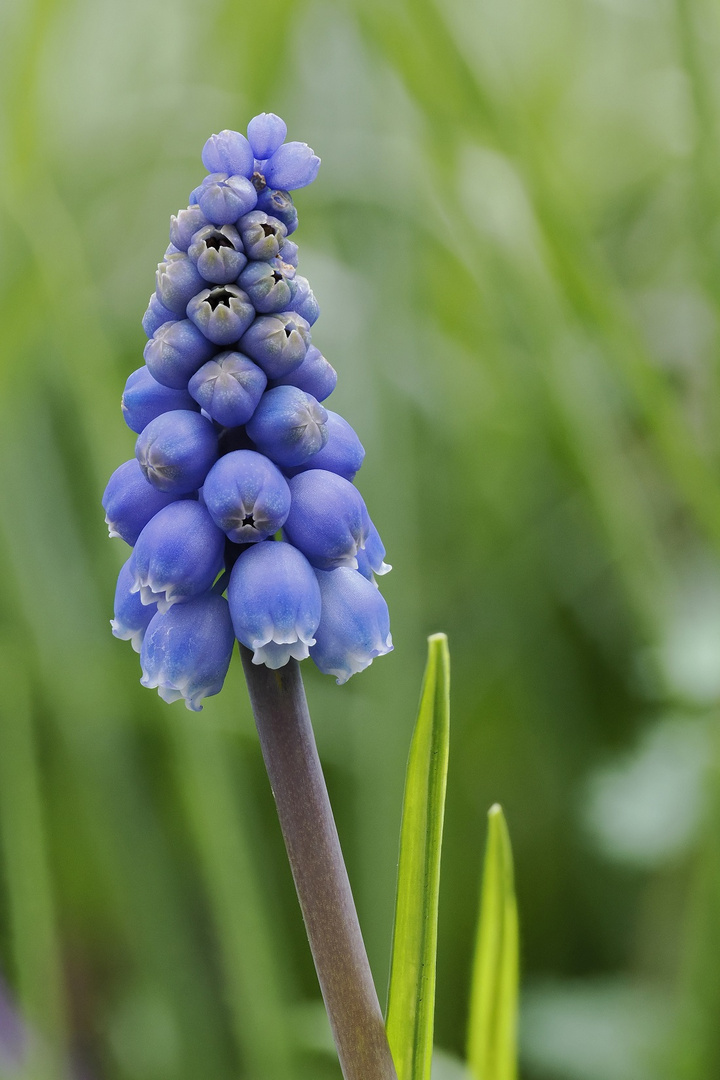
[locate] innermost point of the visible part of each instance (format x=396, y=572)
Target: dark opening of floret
x=277, y=276
x=217, y=297
x=218, y=240
x=249, y=520
x=269, y=230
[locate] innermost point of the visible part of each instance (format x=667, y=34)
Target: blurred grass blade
x=492, y=1032
x=411, y=996
x=30, y=897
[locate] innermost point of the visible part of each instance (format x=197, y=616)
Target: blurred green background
x=514, y=239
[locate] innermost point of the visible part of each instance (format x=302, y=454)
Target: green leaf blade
x=492, y=1030
x=411, y=996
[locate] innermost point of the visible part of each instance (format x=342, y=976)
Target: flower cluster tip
x=235, y=448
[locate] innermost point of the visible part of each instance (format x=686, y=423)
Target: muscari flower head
x=235, y=450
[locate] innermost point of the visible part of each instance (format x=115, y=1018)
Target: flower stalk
x=296, y=778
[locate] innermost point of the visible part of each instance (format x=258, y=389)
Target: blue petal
x=328, y=520
x=186, y=651
x=130, y=501
x=131, y=615
x=266, y=133
x=143, y=399
x=229, y=152
x=176, y=451
x=343, y=453
x=293, y=165
x=247, y=496
x=178, y=555
x=274, y=603
x=355, y=624
x=229, y=388
x=288, y=425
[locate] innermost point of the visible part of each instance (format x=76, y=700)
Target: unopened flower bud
x=293, y=165
x=229, y=152
x=224, y=198
x=266, y=133
x=343, y=453
x=144, y=398
x=289, y=426
x=247, y=496
x=177, y=280
x=304, y=301
x=175, y=352
x=315, y=375
x=155, y=315
x=176, y=451
x=185, y=224
x=278, y=343
x=328, y=520
x=129, y=501
x=229, y=388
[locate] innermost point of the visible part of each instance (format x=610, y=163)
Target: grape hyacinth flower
x=242, y=487
x=227, y=410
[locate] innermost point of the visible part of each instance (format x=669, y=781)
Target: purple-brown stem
x=306, y=819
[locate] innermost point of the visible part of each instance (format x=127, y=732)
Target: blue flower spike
x=235, y=449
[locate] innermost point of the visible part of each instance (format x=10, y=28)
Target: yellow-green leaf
x=411, y=997
x=492, y=1031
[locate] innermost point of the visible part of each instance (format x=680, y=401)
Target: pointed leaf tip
x=411, y=997
x=492, y=1029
